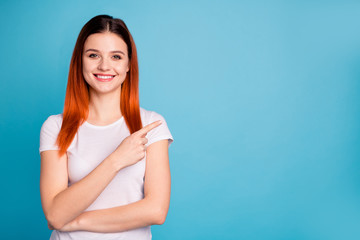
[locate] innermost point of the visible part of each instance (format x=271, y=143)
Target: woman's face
x=105, y=62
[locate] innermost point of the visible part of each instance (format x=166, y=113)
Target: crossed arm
x=64, y=206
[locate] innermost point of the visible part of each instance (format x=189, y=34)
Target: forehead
x=105, y=42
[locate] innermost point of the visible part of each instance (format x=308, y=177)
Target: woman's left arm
x=151, y=210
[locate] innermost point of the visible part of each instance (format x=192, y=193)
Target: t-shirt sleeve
x=159, y=133
x=48, y=134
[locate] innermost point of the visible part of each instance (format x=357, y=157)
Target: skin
x=64, y=206
x=99, y=58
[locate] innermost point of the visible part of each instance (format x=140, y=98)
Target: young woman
x=104, y=161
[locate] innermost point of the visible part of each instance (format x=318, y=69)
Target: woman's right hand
x=132, y=149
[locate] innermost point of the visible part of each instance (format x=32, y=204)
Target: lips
x=104, y=77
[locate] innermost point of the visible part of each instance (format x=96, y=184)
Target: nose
x=104, y=65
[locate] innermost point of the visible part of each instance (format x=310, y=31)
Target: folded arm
x=62, y=204
x=149, y=211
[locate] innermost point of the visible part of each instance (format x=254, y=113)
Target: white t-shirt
x=90, y=146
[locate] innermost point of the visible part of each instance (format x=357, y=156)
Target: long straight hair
x=76, y=107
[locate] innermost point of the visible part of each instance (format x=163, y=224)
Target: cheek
x=86, y=71
x=122, y=68
x=86, y=67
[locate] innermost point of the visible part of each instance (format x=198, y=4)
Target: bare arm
x=62, y=204
x=148, y=211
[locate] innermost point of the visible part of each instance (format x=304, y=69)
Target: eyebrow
x=95, y=50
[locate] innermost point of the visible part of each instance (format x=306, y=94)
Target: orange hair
x=76, y=107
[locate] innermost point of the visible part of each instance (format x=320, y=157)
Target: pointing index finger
x=149, y=127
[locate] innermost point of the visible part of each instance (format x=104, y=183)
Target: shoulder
x=148, y=116
x=49, y=132
x=53, y=122
x=159, y=133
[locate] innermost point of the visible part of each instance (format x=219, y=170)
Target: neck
x=104, y=108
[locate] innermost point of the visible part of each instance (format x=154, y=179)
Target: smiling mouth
x=104, y=78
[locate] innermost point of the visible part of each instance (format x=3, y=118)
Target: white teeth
x=104, y=77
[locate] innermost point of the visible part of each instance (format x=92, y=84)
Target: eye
x=117, y=57
x=93, y=55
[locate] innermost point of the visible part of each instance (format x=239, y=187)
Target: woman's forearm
x=72, y=201
x=135, y=215
x=151, y=210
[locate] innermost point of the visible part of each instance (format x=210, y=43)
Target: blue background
x=262, y=98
